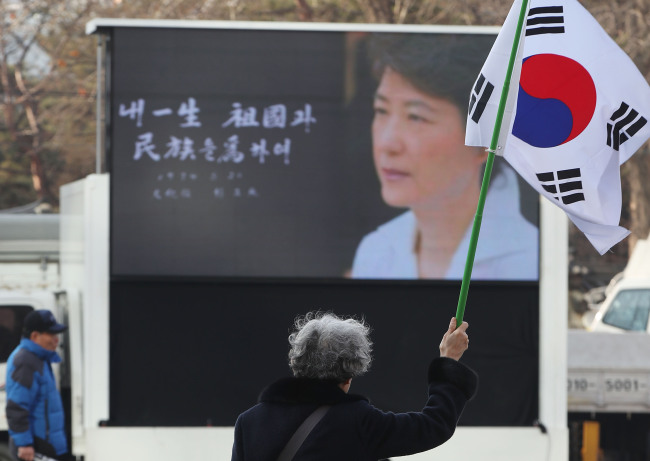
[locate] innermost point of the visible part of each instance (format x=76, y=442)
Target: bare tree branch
x=305, y=13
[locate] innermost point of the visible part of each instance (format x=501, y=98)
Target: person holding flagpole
x=313, y=416
x=423, y=164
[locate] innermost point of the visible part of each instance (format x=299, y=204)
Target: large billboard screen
x=260, y=173
x=298, y=153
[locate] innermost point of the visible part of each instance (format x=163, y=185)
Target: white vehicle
x=85, y=271
x=101, y=430
x=626, y=308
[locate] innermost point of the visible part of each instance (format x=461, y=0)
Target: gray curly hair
x=325, y=346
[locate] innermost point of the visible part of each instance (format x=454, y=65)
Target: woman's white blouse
x=508, y=244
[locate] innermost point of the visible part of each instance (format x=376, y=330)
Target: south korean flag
x=577, y=109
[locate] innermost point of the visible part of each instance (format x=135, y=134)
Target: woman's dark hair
x=441, y=65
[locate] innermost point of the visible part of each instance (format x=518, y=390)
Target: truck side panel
x=84, y=274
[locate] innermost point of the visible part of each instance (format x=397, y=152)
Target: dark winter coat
x=34, y=408
x=352, y=429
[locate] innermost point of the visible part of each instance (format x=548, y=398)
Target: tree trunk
x=305, y=13
x=378, y=11
x=636, y=171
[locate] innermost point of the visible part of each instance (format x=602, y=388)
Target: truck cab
x=626, y=308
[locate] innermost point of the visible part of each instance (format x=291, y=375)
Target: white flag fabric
x=581, y=108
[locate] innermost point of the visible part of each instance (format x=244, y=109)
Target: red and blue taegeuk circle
x=557, y=99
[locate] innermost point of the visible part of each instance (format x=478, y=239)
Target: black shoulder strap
x=301, y=433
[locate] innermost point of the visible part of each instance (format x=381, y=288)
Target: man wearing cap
x=34, y=408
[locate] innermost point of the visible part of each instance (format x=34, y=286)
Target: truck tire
x=4, y=453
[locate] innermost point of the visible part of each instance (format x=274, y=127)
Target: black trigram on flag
x=623, y=124
x=565, y=185
x=545, y=20
x=480, y=96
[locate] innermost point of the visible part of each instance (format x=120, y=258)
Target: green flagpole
x=478, y=217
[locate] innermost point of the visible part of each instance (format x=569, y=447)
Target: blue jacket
x=352, y=429
x=34, y=407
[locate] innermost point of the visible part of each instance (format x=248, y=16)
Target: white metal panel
x=84, y=266
x=553, y=314
x=98, y=23
x=42, y=275
x=72, y=274
x=95, y=299
x=199, y=444
x=608, y=372
x=39, y=299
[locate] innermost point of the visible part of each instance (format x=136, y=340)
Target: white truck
x=85, y=274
